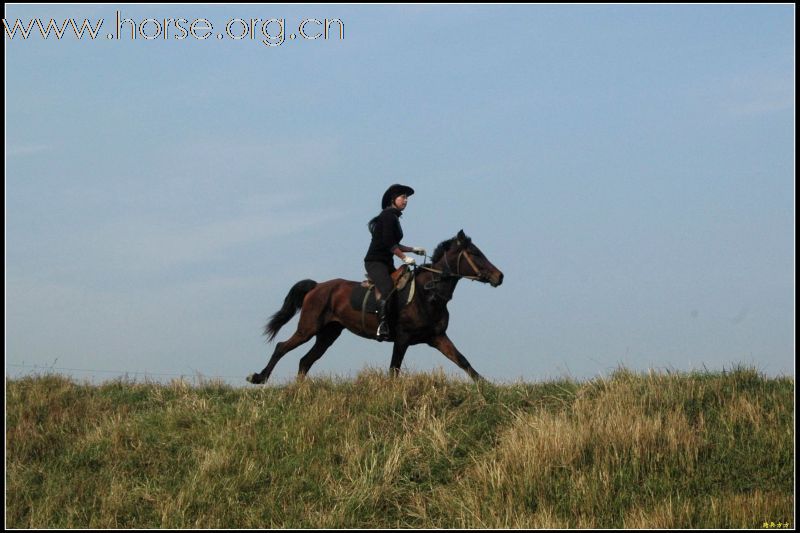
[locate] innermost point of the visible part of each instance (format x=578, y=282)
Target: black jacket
x=386, y=235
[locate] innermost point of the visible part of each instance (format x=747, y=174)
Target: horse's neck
x=444, y=287
x=448, y=287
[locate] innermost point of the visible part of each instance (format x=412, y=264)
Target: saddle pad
x=357, y=299
x=360, y=292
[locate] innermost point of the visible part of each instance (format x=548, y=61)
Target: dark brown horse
x=326, y=310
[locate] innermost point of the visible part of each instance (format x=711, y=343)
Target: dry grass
x=635, y=451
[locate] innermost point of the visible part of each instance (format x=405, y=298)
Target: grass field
x=658, y=450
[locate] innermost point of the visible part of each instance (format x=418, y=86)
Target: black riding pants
x=381, y=275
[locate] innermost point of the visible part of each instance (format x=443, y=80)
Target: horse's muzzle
x=496, y=279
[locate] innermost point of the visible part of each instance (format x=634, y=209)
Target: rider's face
x=401, y=202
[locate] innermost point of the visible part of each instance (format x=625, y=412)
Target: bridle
x=463, y=253
x=448, y=271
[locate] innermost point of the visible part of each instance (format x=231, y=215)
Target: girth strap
x=402, y=283
x=364, y=310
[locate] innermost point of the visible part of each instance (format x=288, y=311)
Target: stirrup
x=383, y=331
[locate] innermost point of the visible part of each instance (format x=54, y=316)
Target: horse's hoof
x=252, y=379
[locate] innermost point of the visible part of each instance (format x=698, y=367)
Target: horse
x=325, y=310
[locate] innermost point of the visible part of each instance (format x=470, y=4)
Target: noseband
x=433, y=285
x=448, y=272
x=470, y=262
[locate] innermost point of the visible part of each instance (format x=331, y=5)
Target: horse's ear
x=461, y=236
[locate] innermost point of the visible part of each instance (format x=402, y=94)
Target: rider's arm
x=400, y=250
x=411, y=249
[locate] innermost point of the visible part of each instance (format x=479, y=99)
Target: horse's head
x=464, y=259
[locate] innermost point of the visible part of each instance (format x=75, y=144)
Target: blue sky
x=629, y=168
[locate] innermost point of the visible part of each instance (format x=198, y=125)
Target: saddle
x=363, y=297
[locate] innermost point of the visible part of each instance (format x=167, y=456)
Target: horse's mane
x=444, y=246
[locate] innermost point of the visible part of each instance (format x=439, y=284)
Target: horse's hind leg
x=281, y=349
x=306, y=328
x=326, y=336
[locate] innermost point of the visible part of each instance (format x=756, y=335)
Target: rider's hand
x=417, y=250
x=409, y=260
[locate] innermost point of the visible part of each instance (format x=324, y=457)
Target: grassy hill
x=659, y=450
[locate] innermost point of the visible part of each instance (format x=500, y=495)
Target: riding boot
x=383, y=326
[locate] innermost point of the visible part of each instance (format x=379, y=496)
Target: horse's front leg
x=398, y=353
x=446, y=346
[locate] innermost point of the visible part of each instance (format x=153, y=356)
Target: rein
x=448, y=273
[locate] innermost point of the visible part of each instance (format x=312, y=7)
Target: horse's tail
x=293, y=302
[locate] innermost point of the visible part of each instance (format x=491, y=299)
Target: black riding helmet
x=393, y=192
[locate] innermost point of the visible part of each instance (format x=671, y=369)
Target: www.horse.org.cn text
x=269, y=31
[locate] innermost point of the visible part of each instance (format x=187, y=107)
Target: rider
x=386, y=235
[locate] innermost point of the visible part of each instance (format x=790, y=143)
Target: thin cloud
x=759, y=96
x=761, y=106
x=150, y=245
x=23, y=150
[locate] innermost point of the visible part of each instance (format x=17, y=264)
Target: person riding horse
x=326, y=308
x=386, y=236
